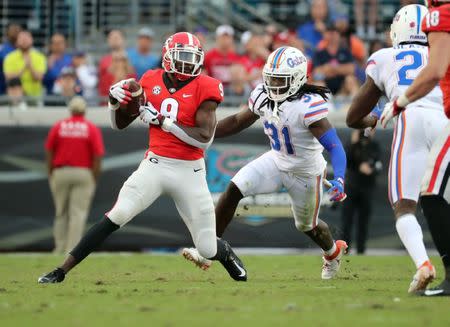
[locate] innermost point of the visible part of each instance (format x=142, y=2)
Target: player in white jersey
x=390, y=71
x=295, y=120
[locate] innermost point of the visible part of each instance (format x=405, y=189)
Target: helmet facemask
x=280, y=86
x=185, y=62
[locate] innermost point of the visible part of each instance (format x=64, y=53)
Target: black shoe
x=56, y=276
x=443, y=289
x=234, y=265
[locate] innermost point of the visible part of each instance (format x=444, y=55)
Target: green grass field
x=146, y=290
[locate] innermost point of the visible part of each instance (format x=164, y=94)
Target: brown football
x=137, y=99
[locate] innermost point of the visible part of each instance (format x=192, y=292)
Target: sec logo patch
x=156, y=90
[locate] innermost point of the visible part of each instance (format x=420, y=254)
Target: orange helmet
x=183, y=55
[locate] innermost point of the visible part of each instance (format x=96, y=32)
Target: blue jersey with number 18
x=295, y=148
x=394, y=69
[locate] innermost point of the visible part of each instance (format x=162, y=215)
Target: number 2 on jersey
x=275, y=137
x=403, y=78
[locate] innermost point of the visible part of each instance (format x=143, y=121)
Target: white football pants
x=263, y=176
x=416, y=129
x=185, y=182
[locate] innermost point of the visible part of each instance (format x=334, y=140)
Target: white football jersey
x=394, y=69
x=294, y=147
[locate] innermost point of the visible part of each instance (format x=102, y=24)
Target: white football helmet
x=284, y=73
x=407, y=25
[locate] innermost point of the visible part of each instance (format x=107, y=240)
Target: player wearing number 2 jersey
x=435, y=190
x=294, y=116
x=390, y=71
x=180, y=112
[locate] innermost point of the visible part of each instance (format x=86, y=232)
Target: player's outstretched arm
x=236, y=123
x=327, y=136
x=358, y=115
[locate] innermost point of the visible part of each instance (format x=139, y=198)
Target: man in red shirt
x=435, y=189
x=254, y=57
x=219, y=59
x=181, y=115
x=74, y=149
x=113, y=66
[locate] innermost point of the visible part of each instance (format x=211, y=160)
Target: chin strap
x=275, y=118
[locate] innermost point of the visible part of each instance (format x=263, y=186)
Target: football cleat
x=56, y=276
x=233, y=264
x=443, y=289
x=424, y=276
x=332, y=263
x=192, y=255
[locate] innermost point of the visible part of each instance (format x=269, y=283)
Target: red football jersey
x=181, y=106
x=438, y=20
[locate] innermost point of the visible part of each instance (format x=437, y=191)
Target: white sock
x=411, y=235
x=330, y=251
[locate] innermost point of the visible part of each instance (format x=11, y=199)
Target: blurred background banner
x=27, y=214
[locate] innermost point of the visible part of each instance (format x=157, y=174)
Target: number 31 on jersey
x=275, y=135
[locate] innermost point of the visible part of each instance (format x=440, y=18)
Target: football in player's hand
x=137, y=99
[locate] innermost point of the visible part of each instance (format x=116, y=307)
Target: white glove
x=149, y=115
x=388, y=114
x=119, y=94
x=393, y=109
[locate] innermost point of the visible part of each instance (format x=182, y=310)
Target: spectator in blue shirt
x=312, y=32
x=12, y=30
x=141, y=57
x=334, y=63
x=56, y=61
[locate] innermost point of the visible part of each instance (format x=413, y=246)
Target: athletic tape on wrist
x=403, y=101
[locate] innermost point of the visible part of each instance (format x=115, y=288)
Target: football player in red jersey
x=180, y=111
x=435, y=190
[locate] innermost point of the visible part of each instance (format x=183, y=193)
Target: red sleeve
x=211, y=89
x=97, y=141
x=51, y=138
x=437, y=20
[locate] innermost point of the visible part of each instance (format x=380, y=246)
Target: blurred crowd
x=337, y=55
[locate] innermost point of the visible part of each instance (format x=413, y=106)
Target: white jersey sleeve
x=374, y=68
x=316, y=108
x=257, y=100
